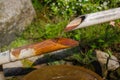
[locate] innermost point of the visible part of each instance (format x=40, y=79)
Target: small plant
x=85, y=58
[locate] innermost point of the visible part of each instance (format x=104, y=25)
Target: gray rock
x=15, y=16
x=105, y=59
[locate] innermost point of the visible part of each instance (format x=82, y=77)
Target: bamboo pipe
x=17, y=68
x=36, y=49
x=93, y=18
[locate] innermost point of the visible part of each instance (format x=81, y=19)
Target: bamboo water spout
x=93, y=18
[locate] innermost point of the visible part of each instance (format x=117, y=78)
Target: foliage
x=38, y=31
x=85, y=58
x=53, y=15
x=68, y=8
x=17, y=43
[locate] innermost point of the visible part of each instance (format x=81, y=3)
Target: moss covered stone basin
x=62, y=72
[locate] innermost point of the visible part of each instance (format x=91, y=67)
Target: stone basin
x=62, y=72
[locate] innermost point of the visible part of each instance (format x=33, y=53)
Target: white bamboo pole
x=93, y=18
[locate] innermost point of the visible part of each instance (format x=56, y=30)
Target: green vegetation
x=53, y=15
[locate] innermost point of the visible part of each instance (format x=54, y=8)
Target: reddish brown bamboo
x=37, y=49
